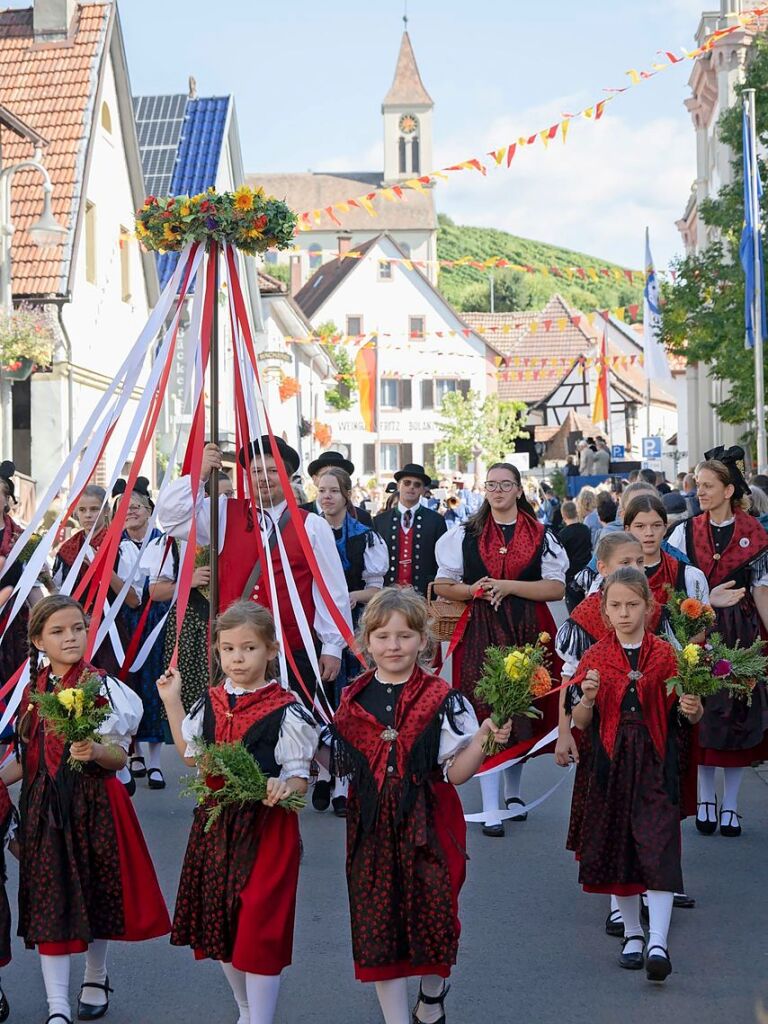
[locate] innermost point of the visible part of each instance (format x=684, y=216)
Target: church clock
x=408, y=124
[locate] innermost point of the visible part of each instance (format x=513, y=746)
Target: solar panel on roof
x=159, y=122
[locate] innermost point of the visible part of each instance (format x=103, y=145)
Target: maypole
x=213, y=483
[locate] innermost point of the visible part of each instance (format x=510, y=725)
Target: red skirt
x=237, y=894
x=133, y=909
x=404, y=882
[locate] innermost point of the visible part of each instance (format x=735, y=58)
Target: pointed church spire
x=407, y=87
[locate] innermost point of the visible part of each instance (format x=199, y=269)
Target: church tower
x=407, y=110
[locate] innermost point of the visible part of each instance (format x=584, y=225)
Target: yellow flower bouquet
x=74, y=713
x=513, y=677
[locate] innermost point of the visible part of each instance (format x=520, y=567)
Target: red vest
x=404, y=576
x=240, y=554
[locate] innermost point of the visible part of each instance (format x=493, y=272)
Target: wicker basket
x=443, y=614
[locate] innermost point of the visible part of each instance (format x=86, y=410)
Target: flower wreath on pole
x=247, y=218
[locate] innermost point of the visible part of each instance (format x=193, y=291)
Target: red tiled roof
x=52, y=86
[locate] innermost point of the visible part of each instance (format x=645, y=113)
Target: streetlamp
x=44, y=232
x=477, y=451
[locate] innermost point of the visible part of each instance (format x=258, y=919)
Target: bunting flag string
x=503, y=155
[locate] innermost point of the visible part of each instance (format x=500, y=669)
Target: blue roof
x=197, y=158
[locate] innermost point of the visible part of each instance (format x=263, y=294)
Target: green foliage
x=230, y=776
x=468, y=288
x=512, y=678
x=280, y=271
x=704, y=307
x=559, y=485
x=339, y=397
x=74, y=713
x=490, y=424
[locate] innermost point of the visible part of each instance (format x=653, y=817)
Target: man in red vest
x=241, y=575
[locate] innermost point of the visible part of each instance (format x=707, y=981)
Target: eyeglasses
x=500, y=485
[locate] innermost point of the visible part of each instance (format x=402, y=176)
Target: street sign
x=617, y=451
x=654, y=464
x=651, y=447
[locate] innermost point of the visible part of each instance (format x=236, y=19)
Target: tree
x=339, y=397
x=704, y=308
x=512, y=292
x=469, y=422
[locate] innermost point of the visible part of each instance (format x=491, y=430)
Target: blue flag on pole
x=754, y=276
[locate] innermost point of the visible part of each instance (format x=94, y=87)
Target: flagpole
x=757, y=312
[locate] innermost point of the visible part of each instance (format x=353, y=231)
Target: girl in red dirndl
x=237, y=894
x=85, y=874
x=405, y=739
x=641, y=782
x=729, y=546
x=509, y=565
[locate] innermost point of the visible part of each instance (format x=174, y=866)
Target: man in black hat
x=318, y=466
x=241, y=575
x=411, y=532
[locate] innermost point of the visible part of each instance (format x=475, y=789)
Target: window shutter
x=463, y=387
x=406, y=454
x=427, y=394
x=406, y=394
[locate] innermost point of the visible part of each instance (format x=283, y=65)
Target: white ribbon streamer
x=513, y=812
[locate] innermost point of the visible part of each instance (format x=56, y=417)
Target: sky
x=308, y=80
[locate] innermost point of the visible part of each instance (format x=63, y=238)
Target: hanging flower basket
x=247, y=219
x=26, y=340
x=289, y=387
x=322, y=434
x=19, y=369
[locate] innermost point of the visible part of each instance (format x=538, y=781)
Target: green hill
x=468, y=289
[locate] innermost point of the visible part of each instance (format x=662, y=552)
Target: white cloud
x=596, y=193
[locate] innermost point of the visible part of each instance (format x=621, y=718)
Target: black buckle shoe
x=523, y=816
x=87, y=1011
x=658, y=968
x=730, y=829
x=632, y=961
x=340, y=806
x=321, y=795
x=5, y=1009
x=155, y=783
x=614, y=925
x=683, y=901
x=140, y=770
x=130, y=786
x=58, y=1016
x=494, y=831
x=707, y=827
x=431, y=1001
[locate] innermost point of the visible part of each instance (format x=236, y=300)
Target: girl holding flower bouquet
x=640, y=779
x=85, y=875
x=237, y=894
x=405, y=739
x=729, y=546
x=509, y=565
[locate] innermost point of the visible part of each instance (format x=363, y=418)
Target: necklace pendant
x=389, y=735
x=502, y=551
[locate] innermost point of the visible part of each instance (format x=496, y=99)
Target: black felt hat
x=327, y=460
x=263, y=446
x=731, y=457
x=413, y=469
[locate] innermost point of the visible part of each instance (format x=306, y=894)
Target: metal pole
x=757, y=312
x=213, y=558
x=6, y=310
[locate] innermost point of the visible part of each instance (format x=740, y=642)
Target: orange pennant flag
x=564, y=126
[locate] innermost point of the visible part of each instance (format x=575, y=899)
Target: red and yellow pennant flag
x=365, y=374
x=601, y=407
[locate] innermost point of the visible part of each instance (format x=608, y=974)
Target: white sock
x=629, y=908
x=56, y=979
x=155, y=750
x=96, y=970
x=124, y=775
x=393, y=1000
x=659, y=916
x=262, y=991
x=138, y=750
x=431, y=985
x=340, y=787
x=614, y=904
x=706, y=793
x=489, y=788
x=323, y=775
x=236, y=981
x=732, y=782
x=512, y=778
